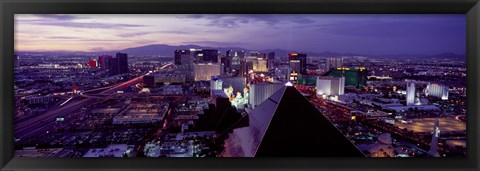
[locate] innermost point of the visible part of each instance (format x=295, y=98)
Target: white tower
x=410, y=93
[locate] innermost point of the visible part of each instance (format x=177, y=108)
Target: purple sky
x=420, y=34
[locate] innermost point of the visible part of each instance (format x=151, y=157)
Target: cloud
x=69, y=21
x=390, y=29
x=175, y=32
x=303, y=21
x=71, y=40
x=88, y=25
x=235, y=21
x=134, y=34
x=63, y=37
x=59, y=17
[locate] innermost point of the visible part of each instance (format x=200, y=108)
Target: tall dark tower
x=118, y=64
x=271, y=60
x=122, y=63
x=227, y=63
x=301, y=59
x=236, y=57
x=184, y=60
x=207, y=56
x=113, y=66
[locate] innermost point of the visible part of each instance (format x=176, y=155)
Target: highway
x=39, y=123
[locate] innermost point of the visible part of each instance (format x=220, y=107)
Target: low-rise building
x=142, y=114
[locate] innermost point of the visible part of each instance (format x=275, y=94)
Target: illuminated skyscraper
x=184, y=62
x=295, y=65
x=236, y=57
x=410, y=93
x=298, y=62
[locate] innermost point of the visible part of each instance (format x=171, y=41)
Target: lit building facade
x=204, y=72
x=238, y=100
x=353, y=76
x=410, y=93
x=437, y=90
x=92, y=63
x=259, y=92
x=184, y=62
x=260, y=65
x=330, y=85
x=282, y=72
x=298, y=62
x=216, y=83
x=295, y=65
x=236, y=57
x=293, y=77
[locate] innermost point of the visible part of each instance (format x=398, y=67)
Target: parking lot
x=422, y=125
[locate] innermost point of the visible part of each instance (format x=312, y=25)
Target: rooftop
x=287, y=124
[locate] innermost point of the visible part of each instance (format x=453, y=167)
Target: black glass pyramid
x=288, y=125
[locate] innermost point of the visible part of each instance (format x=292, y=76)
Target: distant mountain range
x=167, y=50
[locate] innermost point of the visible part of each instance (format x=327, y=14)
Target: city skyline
x=301, y=86
x=366, y=34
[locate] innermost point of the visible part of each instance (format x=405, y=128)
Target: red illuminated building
x=92, y=63
x=103, y=61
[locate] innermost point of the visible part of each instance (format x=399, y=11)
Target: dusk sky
x=366, y=34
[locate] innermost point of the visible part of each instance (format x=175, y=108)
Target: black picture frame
x=10, y=7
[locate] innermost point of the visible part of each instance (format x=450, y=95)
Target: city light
x=195, y=98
